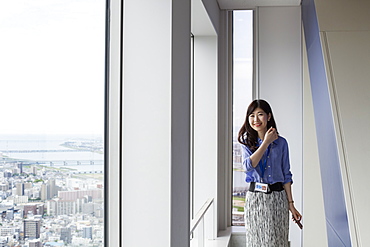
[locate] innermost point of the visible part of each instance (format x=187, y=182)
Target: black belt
x=271, y=187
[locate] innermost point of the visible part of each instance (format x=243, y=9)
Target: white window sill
x=224, y=238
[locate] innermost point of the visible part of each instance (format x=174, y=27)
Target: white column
x=113, y=127
x=156, y=118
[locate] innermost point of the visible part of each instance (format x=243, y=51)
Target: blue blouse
x=277, y=164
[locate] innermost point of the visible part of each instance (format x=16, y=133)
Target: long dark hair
x=247, y=135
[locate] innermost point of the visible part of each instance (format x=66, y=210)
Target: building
x=35, y=243
x=66, y=207
x=29, y=209
x=20, y=189
x=7, y=174
x=76, y=194
x=28, y=185
x=31, y=228
x=20, y=167
x=51, y=191
x=65, y=235
x=61, y=207
x=6, y=231
x=44, y=192
x=18, y=199
x=51, y=207
x=4, y=186
x=10, y=214
x=33, y=209
x=87, y=232
x=34, y=170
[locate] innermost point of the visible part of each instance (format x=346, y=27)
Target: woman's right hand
x=271, y=135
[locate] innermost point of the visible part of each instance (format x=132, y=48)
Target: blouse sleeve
x=246, y=153
x=286, y=164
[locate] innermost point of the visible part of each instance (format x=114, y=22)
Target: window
x=242, y=96
x=52, y=67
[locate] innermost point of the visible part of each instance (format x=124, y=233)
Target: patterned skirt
x=266, y=219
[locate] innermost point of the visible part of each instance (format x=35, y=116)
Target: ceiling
x=248, y=4
x=201, y=24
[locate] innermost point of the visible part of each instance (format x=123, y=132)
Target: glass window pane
x=52, y=67
x=242, y=96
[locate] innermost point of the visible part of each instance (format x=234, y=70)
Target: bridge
x=51, y=163
x=45, y=151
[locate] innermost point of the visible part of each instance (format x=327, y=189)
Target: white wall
x=349, y=59
x=221, y=21
x=345, y=38
x=205, y=124
x=314, y=231
x=279, y=81
x=205, y=115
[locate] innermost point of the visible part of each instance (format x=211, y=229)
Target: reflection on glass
x=52, y=125
x=242, y=96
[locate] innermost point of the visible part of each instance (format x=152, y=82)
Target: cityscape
x=53, y=203
x=240, y=187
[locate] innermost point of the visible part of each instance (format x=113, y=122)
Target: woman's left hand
x=296, y=215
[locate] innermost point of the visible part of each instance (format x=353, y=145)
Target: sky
x=243, y=65
x=52, y=66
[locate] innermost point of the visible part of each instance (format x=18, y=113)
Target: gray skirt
x=266, y=219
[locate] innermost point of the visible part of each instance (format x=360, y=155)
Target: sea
x=48, y=150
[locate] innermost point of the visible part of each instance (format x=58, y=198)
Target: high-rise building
x=20, y=189
x=65, y=235
x=20, y=167
x=32, y=228
x=44, y=192
x=34, y=170
x=87, y=232
x=51, y=189
x=51, y=207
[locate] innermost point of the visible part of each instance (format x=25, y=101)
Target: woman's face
x=258, y=120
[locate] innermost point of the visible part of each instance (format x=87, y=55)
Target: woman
x=266, y=161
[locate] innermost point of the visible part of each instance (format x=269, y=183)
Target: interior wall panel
x=337, y=35
x=313, y=200
x=349, y=56
x=334, y=201
x=280, y=83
